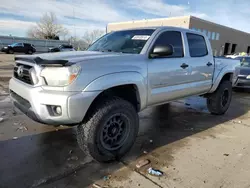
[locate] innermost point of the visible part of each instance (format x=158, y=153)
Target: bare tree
x=78, y=43
x=47, y=28
x=91, y=36
x=32, y=32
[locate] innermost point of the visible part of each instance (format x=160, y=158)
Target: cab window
x=197, y=45
x=173, y=38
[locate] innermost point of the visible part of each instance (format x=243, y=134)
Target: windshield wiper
x=108, y=50
x=105, y=50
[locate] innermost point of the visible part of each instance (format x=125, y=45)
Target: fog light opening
x=57, y=110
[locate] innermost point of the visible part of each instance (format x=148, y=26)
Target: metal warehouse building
x=224, y=40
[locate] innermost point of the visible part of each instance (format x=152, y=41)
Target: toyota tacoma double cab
x=101, y=90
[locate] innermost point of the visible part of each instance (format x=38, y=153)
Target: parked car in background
x=242, y=73
x=19, y=48
x=233, y=56
x=62, y=48
x=101, y=90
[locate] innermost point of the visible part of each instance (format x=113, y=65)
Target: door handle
x=209, y=64
x=184, y=65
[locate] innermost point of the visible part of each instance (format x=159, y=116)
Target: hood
x=73, y=56
x=93, y=64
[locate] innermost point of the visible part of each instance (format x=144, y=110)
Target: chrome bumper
x=36, y=103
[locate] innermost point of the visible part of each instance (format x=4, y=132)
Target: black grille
x=25, y=77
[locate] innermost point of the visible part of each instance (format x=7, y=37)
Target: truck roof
x=161, y=28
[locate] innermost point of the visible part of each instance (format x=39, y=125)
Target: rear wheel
x=110, y=132
x=219, y=101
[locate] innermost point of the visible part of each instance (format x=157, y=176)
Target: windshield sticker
x=140, y=37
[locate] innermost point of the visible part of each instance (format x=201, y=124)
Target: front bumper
x=36, y=103
x=4, y=50
x=241, y=82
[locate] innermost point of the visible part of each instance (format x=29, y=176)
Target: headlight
x=60, y=76
x=248, y=77
x=33, y=76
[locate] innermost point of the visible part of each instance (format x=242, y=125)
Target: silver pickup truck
x=101, y=90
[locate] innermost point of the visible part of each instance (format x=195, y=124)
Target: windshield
x=14, y=44
x=130, y=41
x=244, y=61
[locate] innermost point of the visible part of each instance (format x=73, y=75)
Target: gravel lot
x=6, y=57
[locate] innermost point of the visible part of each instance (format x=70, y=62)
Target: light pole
x=74, y=19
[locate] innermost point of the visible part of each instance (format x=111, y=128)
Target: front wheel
x=219, y=101
x=30, y=52
x=110, y=132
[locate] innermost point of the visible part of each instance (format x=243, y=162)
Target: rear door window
x=197, y=45
x=18, y=44
x=68, y=46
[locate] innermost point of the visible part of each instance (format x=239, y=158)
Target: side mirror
x=162, y=51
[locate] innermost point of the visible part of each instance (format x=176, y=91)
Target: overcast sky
x=16, y=16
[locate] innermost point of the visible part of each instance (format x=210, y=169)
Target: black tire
x=219, y=101
x=91, y=135
x=10, y=51
x=30, y=52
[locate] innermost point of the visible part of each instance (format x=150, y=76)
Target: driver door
x=18, y=47
x=167, y=77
